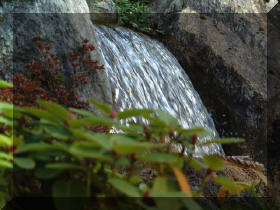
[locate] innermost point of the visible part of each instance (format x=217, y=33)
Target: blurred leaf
x=222, y=141
x=54, y=108
x=45, y=173
x=68, y=189
x=123, y=162
x=182, y=180
x=135, y=179
x=161, y=158
x=42, y=114
x=134, y=113
x=103, y=140
x=4, y=84
x=3, y=182
x=159, y=187
x=5, y=164
x=6, y=156
x=106, y=109
x=214, y=162
x=5, y=141
x=34, y=147
x=228, y=184
x=124, y=145
x=167, y=118
x=125, y=187
x=25, y=163
x=64, y=166
x=89, y=153
x=196, y=164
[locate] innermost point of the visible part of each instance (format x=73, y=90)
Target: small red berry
x=113, y=114
x=147, y=194
x=195, y=138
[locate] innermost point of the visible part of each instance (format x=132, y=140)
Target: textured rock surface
x=274, y=100
x=60, y=28
x=225, y=57
x=103, y=11
x=211, y=6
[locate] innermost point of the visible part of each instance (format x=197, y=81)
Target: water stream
x=144, y=74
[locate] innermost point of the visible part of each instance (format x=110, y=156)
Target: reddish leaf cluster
x=44, y=78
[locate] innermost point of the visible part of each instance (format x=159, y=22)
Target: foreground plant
x=52, y=151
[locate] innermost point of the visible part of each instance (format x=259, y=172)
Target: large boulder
x=103, y=11
x=224, y=52
x=61, y=24
x=273, y=66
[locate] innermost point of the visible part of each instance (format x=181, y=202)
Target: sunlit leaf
x=106, y=109
x=214, y=162
x=54, y=108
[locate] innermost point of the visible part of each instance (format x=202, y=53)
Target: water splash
x=144, y=74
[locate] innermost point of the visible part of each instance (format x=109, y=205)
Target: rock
x=103, y=11
x=61, y=24
x=274, y=100
x=225, y=57
x=213, y=6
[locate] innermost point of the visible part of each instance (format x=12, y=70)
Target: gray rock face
x=274, y=101
x=214, y=6
x=225, y=55
x=103, y=11
x=62, y=25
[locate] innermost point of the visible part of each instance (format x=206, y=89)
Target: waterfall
x=144, y=74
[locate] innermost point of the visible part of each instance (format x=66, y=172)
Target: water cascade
x=144, y=74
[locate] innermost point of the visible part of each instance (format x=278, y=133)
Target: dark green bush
x=135, y=14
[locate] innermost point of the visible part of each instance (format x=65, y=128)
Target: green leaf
x=222, y=141
x=4, y=84
x=82, y=112
x=125, y=187
x=124, y=145
x=42, y=114
x=64, y=166
x=123, y=162
x=3, y=182
x=5, y=164
x=196, y=164
x=55, y=109
x=227, y=183
x=161, y=158
x=199, y=131
x=34, y=147
x=167, y=118
x=159, y=187
x=25, y=163
x=89, y=153
x=68, y=189
x=56, y=131
x=134, y=113
x=214, y=162
x=101, y=140
x=5, y=140
x=106, y=109
x=6, y=156
x=78, y=123
x=135, y=179
x=45, y=173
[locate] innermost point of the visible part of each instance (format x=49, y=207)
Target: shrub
x=52, y=149
x=135, y=14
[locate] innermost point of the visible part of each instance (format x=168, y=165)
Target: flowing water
x=144, y=74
